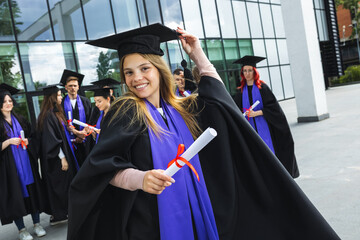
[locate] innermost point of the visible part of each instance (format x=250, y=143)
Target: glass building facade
x=40, y=38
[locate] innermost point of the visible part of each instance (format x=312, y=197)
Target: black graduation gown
x=57, y=181
x=12, y=203
x=252, y=195
x=82, y=149
x=279, y=129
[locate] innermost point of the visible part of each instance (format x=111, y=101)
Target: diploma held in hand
x=252, y=107
x=77, y=122
x=199, y=144
x=22, y=135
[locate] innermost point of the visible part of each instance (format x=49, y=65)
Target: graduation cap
x=106, y=82
x=50, y=89
x=7, y=89
x=67, y=73
x=249, y=60
x=104, y=92
x=144, y=40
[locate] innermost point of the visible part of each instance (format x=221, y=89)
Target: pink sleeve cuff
x=130, y=179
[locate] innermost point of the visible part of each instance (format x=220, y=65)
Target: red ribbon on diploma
x=248, y=109
x=22, y=143
x=181, y=149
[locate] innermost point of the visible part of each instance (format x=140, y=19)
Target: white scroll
x=22, y=135
x=77, y=122
x=252, y=107
x=197, y=145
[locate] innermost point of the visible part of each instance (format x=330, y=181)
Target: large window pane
x=264, y=75
x=6, y=27
x=278, y=21
x=271, y=50
x=259, y=50
x=191, y=13
x=277, y=88
x=97, y=63
x=171, y=13
x=153, y=11
x=67, y=20
x=245, y=47
x=241, y=19
x=283, y=53
x=231, y=53
x=215, y=53
x=43, y=63
x=9, y=66
x=210, y=18
x=125, y=14
x=226, y=19
x=141, y=11
x=98, y=18
x=33, y=19
x=267, y=22
x=254, y=20
x=287, y=81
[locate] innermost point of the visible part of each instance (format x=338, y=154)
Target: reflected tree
x=103, y=67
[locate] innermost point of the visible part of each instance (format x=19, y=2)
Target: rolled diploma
x=22, y=134
x=186, y=94
x=70, y=123
x=77, y=122
x=253, y=106
x=199, y=144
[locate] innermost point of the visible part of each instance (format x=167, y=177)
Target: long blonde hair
x=185, y=106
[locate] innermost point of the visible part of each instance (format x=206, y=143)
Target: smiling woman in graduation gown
x=271, y=124
x=251, y=194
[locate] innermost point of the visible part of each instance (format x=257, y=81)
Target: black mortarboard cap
x=106, y=82
x=101, y=91
x=68, y=73
x=249, y=60
x=144, y=40
x=8, y=89
x=50, y=89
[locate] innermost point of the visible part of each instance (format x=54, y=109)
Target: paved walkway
x=328, y=154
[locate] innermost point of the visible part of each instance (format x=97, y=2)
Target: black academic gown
x=252, y=195
x=82, y=149
x=12, y=203
x=279, y=128
x=57, y=181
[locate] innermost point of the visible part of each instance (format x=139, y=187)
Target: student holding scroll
x=121, y=191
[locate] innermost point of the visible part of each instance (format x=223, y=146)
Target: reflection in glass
x=67, y=20
x=223, y=75
x=287, y=81
x=278, y=21
x=282, y=50
x=277, y=88
x=175, y=55
x=215, y=54
x=125, y=14
x=191, y=13
x=43, y=63
x=141, y=12
x=241, y=19
x=98, y=18
x=266, y=19
x=254, y=20
x=264, y=75
x=153, y=11
x=9, y=66
x=97, y=63
x=171, y=13
x=245, y=47
x=6, y=28
x=259, y=50
x=33, y=20
x=37, y=101
x=234, y=80
x=231, y=53
x=210, y=18
x=271, y=50
x=21, y=106
x=226, y=19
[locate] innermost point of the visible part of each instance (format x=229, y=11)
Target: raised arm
x=191, y=46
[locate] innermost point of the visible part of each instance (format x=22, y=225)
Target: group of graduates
x=107, y=179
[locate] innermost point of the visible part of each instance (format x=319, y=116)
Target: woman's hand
x=254, y=113
x=26, y=141
x=188, y=41
x=15, y=141
x=155, y=181
x=64, y=164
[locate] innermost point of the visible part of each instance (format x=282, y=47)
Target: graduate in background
x=58, y=161
x=102, y=98
x=80, y=108
x=118, y=193
x=21, y=189
x=267, y=118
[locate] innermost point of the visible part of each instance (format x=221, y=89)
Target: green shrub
x=352, y=74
